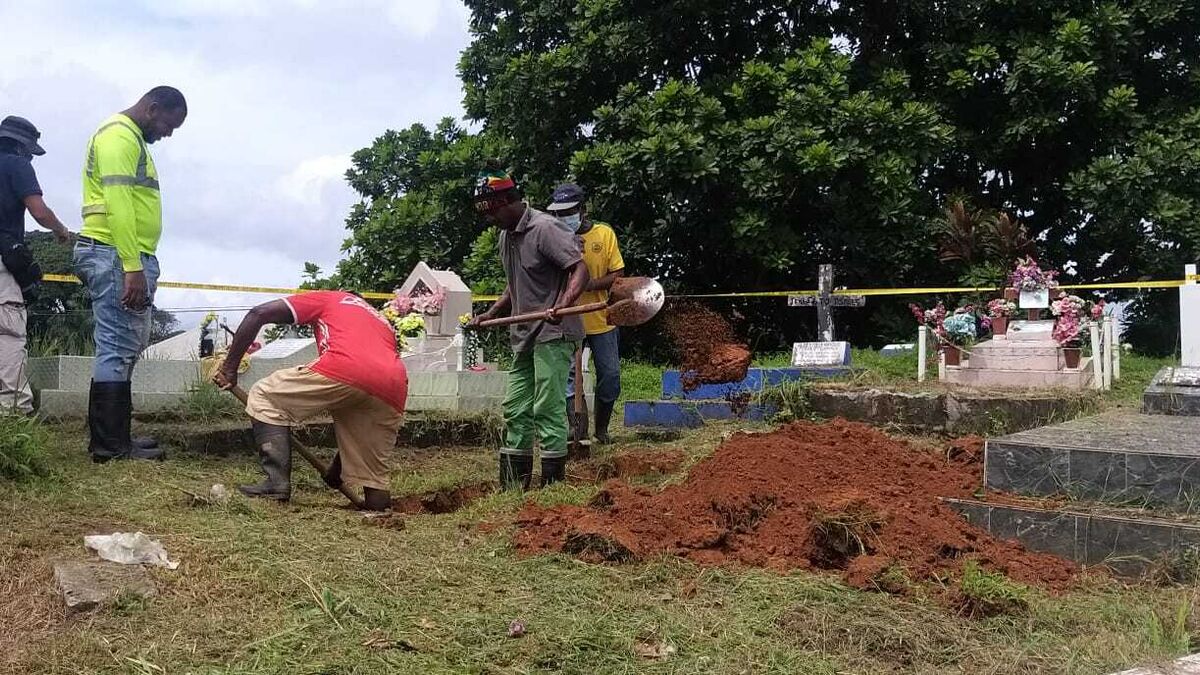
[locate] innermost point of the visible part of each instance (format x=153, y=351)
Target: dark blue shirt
x=17, y=181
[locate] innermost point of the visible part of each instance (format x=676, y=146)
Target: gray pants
x=15, y=395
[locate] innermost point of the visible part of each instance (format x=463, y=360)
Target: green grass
x=309, y=588
x=206, y=402
x=641, y=381
x=23, y=444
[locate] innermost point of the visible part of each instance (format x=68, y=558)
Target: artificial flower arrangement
x=406, y=325
x=999, y=311
x=1002, y=309
x=1028, y=276
x=1072, y=315
x=930, y=318
x=424, y=303
x=960, y=327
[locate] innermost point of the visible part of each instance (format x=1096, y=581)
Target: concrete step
x=1116, y=457
x=756, y=379
x=970, y=375
x=690, y=414
x=59, y=404
x=1126, y=543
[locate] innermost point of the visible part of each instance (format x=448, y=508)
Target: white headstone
x=815, y=354
x=1035, y=299
x=285, y=348
x=424, y=279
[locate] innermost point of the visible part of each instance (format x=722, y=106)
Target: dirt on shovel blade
x=837, y=496
x=709, y=351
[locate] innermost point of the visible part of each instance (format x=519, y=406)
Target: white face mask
x=573, y=221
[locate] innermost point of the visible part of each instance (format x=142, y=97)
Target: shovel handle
x=537, y=316
x=308, y=455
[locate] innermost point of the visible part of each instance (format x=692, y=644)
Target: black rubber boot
x=604, y=413
x=376, y=499
x=333, y=474
x=110, y=405
x=144, y=442
x=516, y=471
x=275, y=453
x=554, y=470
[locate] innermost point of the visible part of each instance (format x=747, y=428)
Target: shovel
x=308, y=455
x=632, y=301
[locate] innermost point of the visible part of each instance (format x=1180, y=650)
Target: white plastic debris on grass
x=129, y=549
x=218, y=493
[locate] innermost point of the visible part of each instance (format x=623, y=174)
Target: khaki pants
x=14, y=372
x=365, y=426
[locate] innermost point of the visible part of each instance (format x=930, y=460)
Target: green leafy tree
x=416, y=188
x=719, y=137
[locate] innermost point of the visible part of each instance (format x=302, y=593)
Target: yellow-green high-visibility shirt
x=121, y=205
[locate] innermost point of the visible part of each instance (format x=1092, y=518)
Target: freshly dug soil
x=629, y=464
x=446, y=500
x=840, y=496
x=709, y=351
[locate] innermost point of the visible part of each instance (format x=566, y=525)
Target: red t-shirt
x=355, y=344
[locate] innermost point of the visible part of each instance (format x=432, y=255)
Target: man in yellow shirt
x=115, y=259
x=603, y=259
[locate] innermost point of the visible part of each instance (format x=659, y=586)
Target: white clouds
x=280, y=93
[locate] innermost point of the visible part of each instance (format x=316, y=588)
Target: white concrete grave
x=424, y=279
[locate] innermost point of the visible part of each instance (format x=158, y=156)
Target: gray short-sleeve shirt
x=536, y=255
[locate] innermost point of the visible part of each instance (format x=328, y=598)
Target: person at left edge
x=19, y=192
x=115, y=259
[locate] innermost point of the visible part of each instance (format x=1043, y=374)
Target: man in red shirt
x=358, y=378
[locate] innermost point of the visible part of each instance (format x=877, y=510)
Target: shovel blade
x=635, y=300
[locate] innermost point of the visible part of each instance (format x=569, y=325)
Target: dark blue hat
x=566, y=196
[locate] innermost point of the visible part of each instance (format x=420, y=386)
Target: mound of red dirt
x=709, y=350
x=840, y=496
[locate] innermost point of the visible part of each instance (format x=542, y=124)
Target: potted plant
x=1071, y=312
x=1030, y=278
x=1000, y=311
x=959, y=330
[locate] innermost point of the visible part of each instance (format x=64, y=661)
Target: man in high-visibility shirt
x=605, y=265
x=115, y=259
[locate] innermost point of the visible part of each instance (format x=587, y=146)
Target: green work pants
x=533, y=404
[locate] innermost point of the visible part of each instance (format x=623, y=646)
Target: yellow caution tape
x=372, y=295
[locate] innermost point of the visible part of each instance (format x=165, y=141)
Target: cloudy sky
x=280, y=93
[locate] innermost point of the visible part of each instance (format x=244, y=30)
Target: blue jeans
x=120, y=334
x=607, y=357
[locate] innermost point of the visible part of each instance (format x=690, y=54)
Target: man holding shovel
x=358, y=379
x=544, y=270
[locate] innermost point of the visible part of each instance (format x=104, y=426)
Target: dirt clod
x=446, y=500
x=709, y=350
x=839, y=495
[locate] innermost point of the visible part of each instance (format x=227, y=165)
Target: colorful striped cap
x=491, y=181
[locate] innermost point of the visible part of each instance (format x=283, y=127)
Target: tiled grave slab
x=1188, y=665
x=1174, y=391
x=1114, y=457
x=756, y=379
x=1125, y=544
x=971, y=376
x=687, y=414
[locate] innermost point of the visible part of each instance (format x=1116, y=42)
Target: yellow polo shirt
x=602, y=257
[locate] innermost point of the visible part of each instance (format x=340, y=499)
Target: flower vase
x=1011, y=294
x=999, y=325
x=1072, y=356
x=1033, y=314
x=953, y=355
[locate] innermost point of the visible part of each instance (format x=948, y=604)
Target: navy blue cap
x=566, y=196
